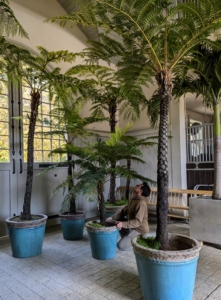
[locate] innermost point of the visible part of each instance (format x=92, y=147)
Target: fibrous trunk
x=35, y=102
x=101, y=205
x=71, y=185
x=217, y=154
x=127, y=191
x=165, y=93
x=113, y=122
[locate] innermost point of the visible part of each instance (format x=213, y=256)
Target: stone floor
x=66, y=270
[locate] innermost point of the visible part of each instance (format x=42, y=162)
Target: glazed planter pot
x=168, y=275
x=26, y=237
x=72, y=225
x=103, y=241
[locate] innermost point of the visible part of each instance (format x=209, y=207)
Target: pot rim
x=169, y=256
x=102, y=229
x=27, y=224
x=77, y=216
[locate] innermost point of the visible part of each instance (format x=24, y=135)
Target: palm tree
x=35, y=72
x=202, y=76
x=95, y=161
x=156, y=36
x=106, y=96
x=69, y=125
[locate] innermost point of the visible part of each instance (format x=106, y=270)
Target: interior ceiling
x=92, y=33
x=69, y=6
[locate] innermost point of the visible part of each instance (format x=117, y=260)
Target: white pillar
x=178, y=144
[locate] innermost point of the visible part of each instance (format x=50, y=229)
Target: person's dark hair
x=145, y=190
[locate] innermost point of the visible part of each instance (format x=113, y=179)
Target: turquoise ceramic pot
x=103, y=241
x=27, y=237
x=168, y=275
x=72, y=225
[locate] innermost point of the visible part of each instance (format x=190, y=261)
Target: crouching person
x=132, y=219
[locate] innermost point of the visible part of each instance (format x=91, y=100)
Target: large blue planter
x=103, y=241
x=167, y=275
x=72, y=225
x=26, y=237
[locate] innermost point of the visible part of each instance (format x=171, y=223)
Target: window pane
x=45, y=108
x=4, y=142
x=4, y=128
x=38, y=156
x=37, y=144
x=45, y=97
x=26, y=92
x=55, y=144
x=26, y=105
x=47, y=144
x=46, y=156
x=4, y=101
x=4, y=115
x=4, y=155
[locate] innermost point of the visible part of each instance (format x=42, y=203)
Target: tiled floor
x=66, y=270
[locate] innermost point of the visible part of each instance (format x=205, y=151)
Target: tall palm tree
x=35, y=72
x=106, y=96
x=202, y=76
x=156, y=36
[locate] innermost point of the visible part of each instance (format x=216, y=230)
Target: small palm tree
x=155, y=37
x=94, y=161
x=202, y=76
x=69, y=125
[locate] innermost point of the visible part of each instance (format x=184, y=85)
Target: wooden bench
x=178, y=200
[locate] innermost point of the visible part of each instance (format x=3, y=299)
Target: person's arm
x=139, y=215
x=120, y=214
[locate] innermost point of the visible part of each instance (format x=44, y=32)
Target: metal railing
x=199, y=143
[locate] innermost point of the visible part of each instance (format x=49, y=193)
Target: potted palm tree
x=106, y=97
x=26, y=231
x=202, y=77
x=94, y=162
x=70, y=125
x=155, y=38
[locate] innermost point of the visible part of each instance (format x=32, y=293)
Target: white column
x=178, y=144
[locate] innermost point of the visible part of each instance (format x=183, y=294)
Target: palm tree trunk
x=101, y=205
x=164, y=81
x=71, y=185
x=113, y=122
x=217, y=153
x=35, y=102
x=127, y=190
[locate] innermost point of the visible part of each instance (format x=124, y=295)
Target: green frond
x=9, y=25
